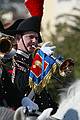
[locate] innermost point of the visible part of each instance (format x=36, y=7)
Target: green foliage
x=68, y=48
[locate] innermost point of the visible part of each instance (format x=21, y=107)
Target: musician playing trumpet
x=16, y=79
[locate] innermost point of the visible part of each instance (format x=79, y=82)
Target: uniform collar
x=24, y=54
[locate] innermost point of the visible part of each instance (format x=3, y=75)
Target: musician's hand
x=48, y=48
x=26, y=102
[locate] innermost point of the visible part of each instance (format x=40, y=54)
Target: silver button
x=41, y=103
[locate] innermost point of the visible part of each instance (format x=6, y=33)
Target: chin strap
x=24, y=45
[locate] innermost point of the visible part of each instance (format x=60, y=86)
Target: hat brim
x=12, y=30
x=1, y=27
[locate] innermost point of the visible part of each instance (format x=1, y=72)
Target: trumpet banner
x=41, y=71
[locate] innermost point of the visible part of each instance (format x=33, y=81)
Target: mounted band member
x=15, y=78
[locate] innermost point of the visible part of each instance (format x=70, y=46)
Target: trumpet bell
x=66, y=67
x=5, y=45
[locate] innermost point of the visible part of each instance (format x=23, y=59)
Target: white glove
x=48, y=48
x=26, y=102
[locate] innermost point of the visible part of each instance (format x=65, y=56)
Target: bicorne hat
x=30, y=24
x=1, y=27
x=11, y=30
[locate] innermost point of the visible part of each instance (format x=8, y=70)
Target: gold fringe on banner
x=38, y=88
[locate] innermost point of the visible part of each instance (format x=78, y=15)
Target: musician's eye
x=32, y=36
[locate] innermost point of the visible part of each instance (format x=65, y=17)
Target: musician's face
x=28, y=40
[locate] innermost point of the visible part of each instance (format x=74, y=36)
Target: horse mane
x=70, y=91
x=6, y=113
x=69, y=102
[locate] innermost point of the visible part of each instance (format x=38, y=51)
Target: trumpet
x=5, y=44
x=65, y=66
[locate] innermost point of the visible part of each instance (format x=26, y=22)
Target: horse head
x=69, y=106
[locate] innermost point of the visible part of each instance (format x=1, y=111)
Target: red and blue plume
x=35, y=7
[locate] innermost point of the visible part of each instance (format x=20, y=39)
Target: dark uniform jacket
x=14, y=83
